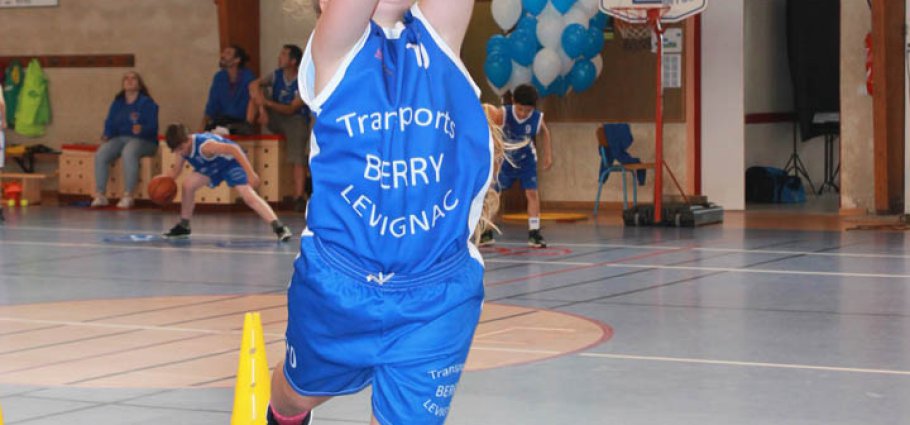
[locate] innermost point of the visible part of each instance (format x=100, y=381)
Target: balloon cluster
x=553, y=44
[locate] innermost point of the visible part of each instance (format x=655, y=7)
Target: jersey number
x=420, y=52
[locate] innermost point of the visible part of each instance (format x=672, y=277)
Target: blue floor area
x=712, y=326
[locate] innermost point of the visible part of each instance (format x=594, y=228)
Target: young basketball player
x=387, y=289
x=522, y=123
x=214, y=160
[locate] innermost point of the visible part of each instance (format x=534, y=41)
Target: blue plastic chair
x=609, y=163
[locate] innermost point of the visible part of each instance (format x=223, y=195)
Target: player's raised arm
x=450, y=18
x=338, y=29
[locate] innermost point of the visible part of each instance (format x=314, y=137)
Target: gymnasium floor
x=752, y=322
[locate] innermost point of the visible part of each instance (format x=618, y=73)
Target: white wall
x=723, y=104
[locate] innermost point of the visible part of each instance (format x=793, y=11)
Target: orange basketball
x=162, y=190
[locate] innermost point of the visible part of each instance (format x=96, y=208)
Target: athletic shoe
x=178, y=232
x=486, y=238
x=284, y=233
x=270, y=419
x=99, y=201
x=126, y=202
x=535, y=239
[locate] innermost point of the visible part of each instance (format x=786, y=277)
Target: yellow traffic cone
x=252, y=392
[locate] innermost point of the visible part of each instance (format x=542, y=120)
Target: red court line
x=589, y=266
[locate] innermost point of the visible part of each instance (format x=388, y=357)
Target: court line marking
x=730, y=250
x=138, y=246
x=582, y=245
x=131, y=327
x=703, y=361
x=610, y=264
x=133, y=231
x=746, y=364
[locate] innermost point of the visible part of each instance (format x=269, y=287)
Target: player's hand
x=254, y=180
x=547, y=164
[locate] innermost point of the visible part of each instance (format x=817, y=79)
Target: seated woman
x=131, y=132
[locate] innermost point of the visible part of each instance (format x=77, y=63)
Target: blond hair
x=491, y=199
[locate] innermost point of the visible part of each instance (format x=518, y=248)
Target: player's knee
x=188, y=186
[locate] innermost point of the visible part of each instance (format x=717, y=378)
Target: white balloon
x=549, y=11
x=549, y=30
x=506, y=13
x=566, y=63
x=576, y=15
x=598, y=62
x=520, y=75
x=547, y=66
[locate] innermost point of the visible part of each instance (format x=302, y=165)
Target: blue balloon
x=497, y=44
x=498, y=68
x=527, y=23
x=599, y=21
x=559, y=87
x=534, y=7
x=574, y=40
x=523, y=45
x=563, y=6
x=582, y=75
x=595, y=43
x=541, y=89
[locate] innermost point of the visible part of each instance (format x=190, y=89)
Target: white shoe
x=126, y=202
x=99, y=201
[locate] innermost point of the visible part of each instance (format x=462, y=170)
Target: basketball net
x=637, y=35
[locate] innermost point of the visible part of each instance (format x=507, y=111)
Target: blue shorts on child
x=523, y=168
x=408, y=336
x=234, y=176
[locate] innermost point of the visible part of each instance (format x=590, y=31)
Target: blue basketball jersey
x=520, y=131
x=284, y=92
x=209, y=166
x=401, y=152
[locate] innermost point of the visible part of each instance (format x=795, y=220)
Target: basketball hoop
x=636, y=20
x=634, y=25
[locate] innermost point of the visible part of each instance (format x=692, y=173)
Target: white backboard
x=677, y=10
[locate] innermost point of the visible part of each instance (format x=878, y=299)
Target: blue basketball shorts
x=407, y=336
x=524, y=170
x=234, y=176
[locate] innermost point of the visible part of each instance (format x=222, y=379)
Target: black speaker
x=813, y=48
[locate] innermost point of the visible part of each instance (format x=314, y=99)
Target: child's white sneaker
x=99, y=201
x=126, y=202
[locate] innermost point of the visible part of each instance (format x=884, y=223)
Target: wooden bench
x=31, y=185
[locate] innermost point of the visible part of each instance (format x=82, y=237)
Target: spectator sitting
x=131, y=132
x=285, y=113
x=229, y=93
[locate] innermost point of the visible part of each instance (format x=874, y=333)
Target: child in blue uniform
x=387, y=289
x=214, y=160
x=522, y=124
